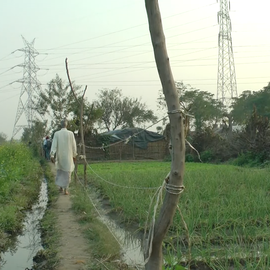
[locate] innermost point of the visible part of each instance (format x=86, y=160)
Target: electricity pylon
x=30, y=88
x=226, y=81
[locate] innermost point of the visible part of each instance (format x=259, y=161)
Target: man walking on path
x=65, y=150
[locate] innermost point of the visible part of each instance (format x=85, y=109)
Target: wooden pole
x=81, y=121
x=82, y=140
x=155, y=257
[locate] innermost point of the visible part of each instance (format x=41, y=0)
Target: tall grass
x=19, y=184
x=226, y=209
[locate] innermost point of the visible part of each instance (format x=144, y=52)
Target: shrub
x=207, y=156
x=189, y=158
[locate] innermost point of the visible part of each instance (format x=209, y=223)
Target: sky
x=108, y=45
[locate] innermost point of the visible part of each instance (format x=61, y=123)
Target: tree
x=120, y=111
x=3, y=138
x=201, y=105
x=56, y=101
x=175, y=179
x=91, y=114
x=59, y=102
x=242, y=107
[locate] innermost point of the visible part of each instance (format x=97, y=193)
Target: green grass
x=104, y=250
x=20, y=175
x=50, y=233
x=226, y=208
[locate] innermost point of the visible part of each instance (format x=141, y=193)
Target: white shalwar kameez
x=64, y=146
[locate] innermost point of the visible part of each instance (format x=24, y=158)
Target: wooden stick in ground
x=81, y=121
x=155, y=257
x=82, y=140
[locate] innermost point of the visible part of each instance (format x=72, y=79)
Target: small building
x=127, y=144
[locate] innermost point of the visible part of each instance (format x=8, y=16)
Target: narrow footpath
x=72, y=247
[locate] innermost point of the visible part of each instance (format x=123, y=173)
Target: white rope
x=148, y=247
x=174, y=111
x=173, y=189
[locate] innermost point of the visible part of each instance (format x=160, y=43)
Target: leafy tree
x=3, y=138
x=243, y=106
x=56, y=100
x=120, y=111
x=201, y=105
x=91, y=115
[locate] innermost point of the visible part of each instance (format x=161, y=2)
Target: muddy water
x=132, y=253
x=131, y=246
x=29, y=242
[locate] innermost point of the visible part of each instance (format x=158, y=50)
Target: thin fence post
x=81, y=121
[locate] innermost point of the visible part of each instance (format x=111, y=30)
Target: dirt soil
x=73, y=246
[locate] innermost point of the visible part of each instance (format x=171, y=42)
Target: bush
x=211, y=146
x=207, y=156
x=189, y=158
x=248, y=159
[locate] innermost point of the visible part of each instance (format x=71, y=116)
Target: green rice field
x=226, y=210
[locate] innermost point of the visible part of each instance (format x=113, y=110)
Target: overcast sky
x=108, y=45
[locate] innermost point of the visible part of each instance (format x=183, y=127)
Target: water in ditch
x=131, y=245
x=29, y=242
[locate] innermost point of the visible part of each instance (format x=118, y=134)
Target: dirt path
x=72, y=247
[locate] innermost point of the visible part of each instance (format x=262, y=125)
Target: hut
x=127, y=144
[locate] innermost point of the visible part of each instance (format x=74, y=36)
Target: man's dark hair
x=64, y=123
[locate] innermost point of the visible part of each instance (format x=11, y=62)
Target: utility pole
x=30, y=88
x=226, y=81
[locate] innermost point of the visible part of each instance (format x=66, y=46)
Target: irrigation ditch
x=23, y=248
x=26, y=245
x=129, y=239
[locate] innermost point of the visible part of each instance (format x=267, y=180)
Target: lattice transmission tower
x=226, y=81
x=29, y=90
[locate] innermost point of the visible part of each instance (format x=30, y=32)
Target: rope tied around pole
x=174, y=111
x=173, y=189
x=181, y=112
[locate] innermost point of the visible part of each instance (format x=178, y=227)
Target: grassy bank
x=104, y=250
x=226, y=209
x=20, y=176
x=48, y=257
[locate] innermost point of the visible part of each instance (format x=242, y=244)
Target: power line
x=3, y=100
x=129, y=28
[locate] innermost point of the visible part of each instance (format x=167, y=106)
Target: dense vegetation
x=20, y=175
